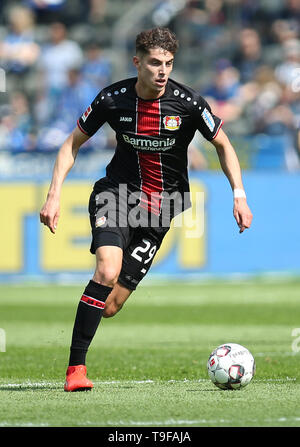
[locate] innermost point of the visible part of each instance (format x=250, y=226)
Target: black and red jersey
x=152, y=136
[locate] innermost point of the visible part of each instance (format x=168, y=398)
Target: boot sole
x=88, y=388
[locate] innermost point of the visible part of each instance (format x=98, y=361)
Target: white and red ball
x=231, y=366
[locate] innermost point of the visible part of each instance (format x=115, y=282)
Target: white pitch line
x=30, y=384
x=168, y=422
x=23, y=424
x=99, y=382
x=278, y=354
x=181, y=422
x=132, y=382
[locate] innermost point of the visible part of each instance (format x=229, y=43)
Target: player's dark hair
x=158, y=37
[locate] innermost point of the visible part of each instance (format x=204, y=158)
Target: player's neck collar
x=151, y=99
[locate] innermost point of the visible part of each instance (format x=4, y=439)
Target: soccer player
x=146, y=183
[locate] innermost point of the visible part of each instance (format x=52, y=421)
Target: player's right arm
x=65, y=159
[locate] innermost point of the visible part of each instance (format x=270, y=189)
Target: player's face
x=153, y=70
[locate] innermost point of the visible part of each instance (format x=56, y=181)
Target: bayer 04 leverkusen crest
x=172, y=122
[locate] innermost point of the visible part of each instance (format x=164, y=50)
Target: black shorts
x=129, y=227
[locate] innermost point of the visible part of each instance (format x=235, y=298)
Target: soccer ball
x=231, y=366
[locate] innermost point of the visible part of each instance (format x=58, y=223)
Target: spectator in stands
x=205, y=20
x=69, y=12
x=285, y=30
x=249, y=56
x=74, y=98
x=225, y=84
x=19, y=51
x=270, y=111
x=291, y=10
x=57, y=58
x=46, y=11
x=47, y=5
x=97, y=10
x=44, y=5
x=97, y=69
x=21, y=111
x=16, y=125
x=289, y=68
x=288, y=75
x=224, y=91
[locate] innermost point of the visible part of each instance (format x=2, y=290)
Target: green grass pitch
x=148, y=363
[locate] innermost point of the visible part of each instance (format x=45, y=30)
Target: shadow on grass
x=201, y=391
x=31, y=388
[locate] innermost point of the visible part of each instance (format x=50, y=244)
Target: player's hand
x=49, y=214
x=242, y=213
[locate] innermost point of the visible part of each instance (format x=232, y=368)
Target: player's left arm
x=231, y=168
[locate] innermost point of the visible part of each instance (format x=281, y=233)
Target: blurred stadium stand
x=242, y=55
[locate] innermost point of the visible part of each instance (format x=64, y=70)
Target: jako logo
x=126, y=119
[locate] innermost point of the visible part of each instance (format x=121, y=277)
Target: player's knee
x=106, y=275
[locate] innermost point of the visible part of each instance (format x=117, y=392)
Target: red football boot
x=76, y=379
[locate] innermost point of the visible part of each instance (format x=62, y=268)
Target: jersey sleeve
x=206, y=122
x=94, y=116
